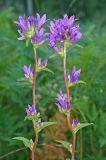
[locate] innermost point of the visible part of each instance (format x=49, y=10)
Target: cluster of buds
x=75, y=122
x=34, y=116
x=28, y=72
x=73, y=77
x=62, y=102
x=42, y=63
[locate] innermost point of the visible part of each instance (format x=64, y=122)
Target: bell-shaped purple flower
x=28, y=72
x=63, y=30
x=62, y=101
x=42, y=63
x=26, y=27
x=31, y=27
x=75, y=122
x=74, y=75
x=31, y=110
x=40, y=21
x=39, y=37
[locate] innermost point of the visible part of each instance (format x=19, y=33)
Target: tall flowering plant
x=63, y=34
x=31, y=30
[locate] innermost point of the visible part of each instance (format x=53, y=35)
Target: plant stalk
x=68, y=116
x=33, y=100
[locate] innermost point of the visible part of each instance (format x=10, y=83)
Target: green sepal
x=80, y=126
x=65, y=145
x=44, y=125
x=28, y=143
x=37, y=45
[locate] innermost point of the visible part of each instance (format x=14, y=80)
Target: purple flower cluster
x=31, y=110
x=74, y=75
x=75, y=122
x=62, y=101
x=42, y=63
x=32, y=28
x=63, y=30
x=28, y=72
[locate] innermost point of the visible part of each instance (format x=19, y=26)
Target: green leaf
x=65, y=145
x=52, y=56
x=81, y=125
x=48, y=70
x=79, y=46
x=25, y=81
x=45, y=124
x=77, y=82
x=80, y=82
x=25, y=141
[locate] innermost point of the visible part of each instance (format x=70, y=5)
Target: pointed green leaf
x=81, y=125
x=25, y=141
x=77, y=82
x=65, y=145
x=48, y=70
x=79, y=46
x=24, y=81
x=45, y=124
x=54, y=55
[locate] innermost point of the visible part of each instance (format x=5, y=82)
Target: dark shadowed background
x=89, y=99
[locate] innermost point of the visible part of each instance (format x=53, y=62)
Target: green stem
x=73, y=146
x=65, y=77
x=34, y=77
x=81, y=145
x=68, y=94
x=33, y=100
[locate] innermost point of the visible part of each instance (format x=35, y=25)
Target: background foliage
x=89, y=99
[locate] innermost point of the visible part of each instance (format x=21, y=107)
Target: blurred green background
x=89, y=99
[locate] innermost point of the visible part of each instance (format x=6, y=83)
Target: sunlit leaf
x=65, y=145
x=81, y=125
x=79, y=46
x=77, y=82
x=48, y=70
x=45, y=124
x=25, y=141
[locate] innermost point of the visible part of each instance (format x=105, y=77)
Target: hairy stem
x=73, y=145
x=68, y=116
x=65, y=78
x=34, y=77
x=81, y=145
x=33, y=100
